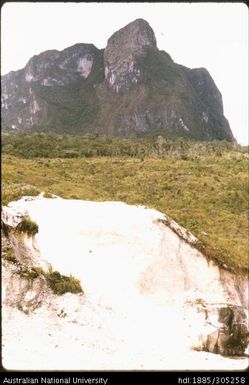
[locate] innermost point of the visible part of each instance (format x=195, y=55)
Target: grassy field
x=207, y=194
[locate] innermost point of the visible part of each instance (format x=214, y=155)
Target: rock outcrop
x=232, y=336
x=129, y=88
x=122, y=68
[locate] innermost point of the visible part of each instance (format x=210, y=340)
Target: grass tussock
x=27, y=226
x=58, y=283
x=61, y=284
x=9, y=255
x=29, y=275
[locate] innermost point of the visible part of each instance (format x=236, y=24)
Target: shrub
x=199, y=301
x=61, y=284
x=30, y=275
x=5, y=229
x=48, y=195
x=27, y=226
x=16, y=191
x=8, y=255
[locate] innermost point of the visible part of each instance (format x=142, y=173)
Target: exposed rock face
x=20, y=291
x=227, y=328
x=232, y=336
x=121, y=67
x=22, y=287
x=129, y=88
x=51, y=82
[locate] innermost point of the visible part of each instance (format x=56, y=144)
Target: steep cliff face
x=129, y=88
x=123, y=50
x=53, y=91
x=147, y=290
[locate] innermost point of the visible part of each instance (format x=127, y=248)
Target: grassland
x=205, y=191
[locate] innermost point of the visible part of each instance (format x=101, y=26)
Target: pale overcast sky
x=214, y=36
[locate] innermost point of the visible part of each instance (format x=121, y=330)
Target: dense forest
x=51, y=145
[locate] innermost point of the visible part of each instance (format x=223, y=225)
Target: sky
x=210, y=35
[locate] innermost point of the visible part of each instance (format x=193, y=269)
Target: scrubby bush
x=9, y=255
x=16, y=191
x=30, y=275
x=27, y=226
x=61, y=284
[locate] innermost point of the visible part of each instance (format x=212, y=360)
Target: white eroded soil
x=137, y=275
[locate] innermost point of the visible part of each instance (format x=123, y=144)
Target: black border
x=116, y=377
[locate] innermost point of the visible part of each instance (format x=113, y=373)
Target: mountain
x=129, y=88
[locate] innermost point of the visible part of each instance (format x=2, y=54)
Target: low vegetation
x=8, y=254
x=17, y=190
x=58, y=283
x=27, y=226
x=30, y=275
x=61, y=284
x=202, y=186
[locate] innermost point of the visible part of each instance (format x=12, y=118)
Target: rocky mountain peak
x=59, y=67
x=121, y=68
x=134, y=35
